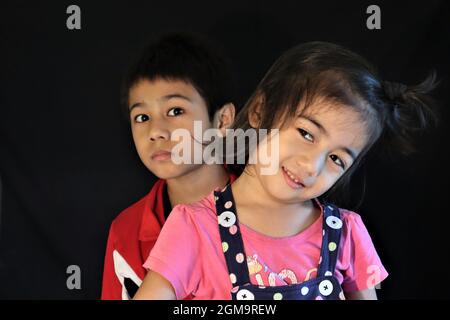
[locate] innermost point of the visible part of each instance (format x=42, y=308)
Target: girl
x=269, y=236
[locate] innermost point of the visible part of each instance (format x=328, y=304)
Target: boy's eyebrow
x=175, y=95
x=135, y=105
x=350, y=152
x=163, y=98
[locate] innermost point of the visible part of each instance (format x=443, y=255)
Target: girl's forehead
x=338, y=122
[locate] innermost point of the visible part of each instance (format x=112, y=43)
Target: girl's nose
x=311, y=165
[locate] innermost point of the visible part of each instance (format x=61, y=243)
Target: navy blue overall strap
x=230, y=234
x=233, y=246
x=332, y=229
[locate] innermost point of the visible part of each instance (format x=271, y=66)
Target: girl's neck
x=261, y=212
x=196, y=184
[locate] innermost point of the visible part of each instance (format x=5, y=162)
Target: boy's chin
x=170, y=173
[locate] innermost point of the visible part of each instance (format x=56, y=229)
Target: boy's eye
x=305, y=134
x=338, y=161
x=141, y=118
x=175, y=112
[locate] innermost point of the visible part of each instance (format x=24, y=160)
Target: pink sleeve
x=174, y=254
x=362, y=268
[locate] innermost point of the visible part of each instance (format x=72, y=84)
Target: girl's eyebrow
x=315, y=122
x=350, y=152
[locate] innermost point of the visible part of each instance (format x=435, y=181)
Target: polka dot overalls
x=324, y=286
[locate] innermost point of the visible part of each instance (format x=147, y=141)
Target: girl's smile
x=292, y=180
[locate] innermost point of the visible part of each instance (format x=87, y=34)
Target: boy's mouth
x=292, y=180
x=161, y=155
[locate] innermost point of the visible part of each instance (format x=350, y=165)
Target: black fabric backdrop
x=68, y=165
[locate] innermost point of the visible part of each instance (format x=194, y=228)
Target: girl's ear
x=254, y=114
x=224, y=117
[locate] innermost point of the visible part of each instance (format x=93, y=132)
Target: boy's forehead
x=162, y=86
x=162, y=89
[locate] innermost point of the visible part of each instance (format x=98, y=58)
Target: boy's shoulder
x=131, y=218
x=132, y=212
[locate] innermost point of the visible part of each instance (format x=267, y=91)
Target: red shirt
x=131, y=238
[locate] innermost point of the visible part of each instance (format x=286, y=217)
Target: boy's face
x=157, y=108
x=315, y=150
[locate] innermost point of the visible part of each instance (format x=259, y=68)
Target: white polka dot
x=233, y=229
x=341, y=295
x=304, y=291
x=244, y=294
x=320, y=260
x=334, y=222
x=330, y=207
x=328, y=273
x=240, y=258
x=325, y=288
x=228, y=204
x=332, y=246
x=233, y=278
x=277, y=296
x=323, y=232
x=319, y=298
x=227, y=219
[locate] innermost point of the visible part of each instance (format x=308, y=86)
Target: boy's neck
x=197, y=184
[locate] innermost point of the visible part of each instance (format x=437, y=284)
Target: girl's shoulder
x=349, y=218
x=353, y=228
x=201, y=211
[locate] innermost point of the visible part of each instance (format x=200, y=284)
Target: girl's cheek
x=330, y=179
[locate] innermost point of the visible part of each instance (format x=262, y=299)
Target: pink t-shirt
x=189, y=254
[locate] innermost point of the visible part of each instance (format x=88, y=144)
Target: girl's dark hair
x=392, y=112
x=187, y=57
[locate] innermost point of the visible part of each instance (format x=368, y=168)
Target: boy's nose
x=159, y=133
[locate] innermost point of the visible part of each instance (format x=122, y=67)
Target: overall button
x=334, y=222
x=244, y=294
x=325, y=288
x=227, y=219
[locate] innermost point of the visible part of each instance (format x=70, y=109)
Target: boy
x=178, y=79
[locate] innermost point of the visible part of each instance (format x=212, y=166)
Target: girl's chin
x=287, y=194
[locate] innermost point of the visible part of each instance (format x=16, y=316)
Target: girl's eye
x=175, y=112
x=141, y=118
x=305, y=134
x=338, y=161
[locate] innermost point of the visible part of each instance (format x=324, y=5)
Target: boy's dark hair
x=393, y=112
x=187, y=57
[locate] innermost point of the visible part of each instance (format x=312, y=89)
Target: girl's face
x=315, y=150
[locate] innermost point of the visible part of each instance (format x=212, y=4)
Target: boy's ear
x=254, y=114
x=224, y=117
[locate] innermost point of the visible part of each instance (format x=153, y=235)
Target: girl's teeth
x=291, y=176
